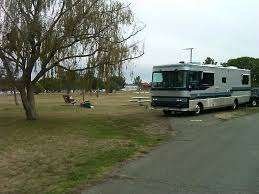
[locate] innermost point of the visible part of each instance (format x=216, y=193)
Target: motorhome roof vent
x=232, y=67
x=196, y=63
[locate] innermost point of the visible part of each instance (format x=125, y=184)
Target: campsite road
x=208, y=155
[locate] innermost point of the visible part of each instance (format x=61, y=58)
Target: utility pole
x=190, y=49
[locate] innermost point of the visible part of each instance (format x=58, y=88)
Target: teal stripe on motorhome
x=219, y=94
x=210, y=95
x=241, y=89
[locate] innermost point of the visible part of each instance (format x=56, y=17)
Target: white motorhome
x=196, y=87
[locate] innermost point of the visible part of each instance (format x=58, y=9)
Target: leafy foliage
x=116, y=83
x=79, y=83
x=137, y=81
x=247, y=63
x=210, y=60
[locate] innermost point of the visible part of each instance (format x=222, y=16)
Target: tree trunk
x=28, y=102
x=97, y=93
x=15, y=97
x=83, y=91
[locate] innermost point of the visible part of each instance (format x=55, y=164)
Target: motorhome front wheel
x=198, y=109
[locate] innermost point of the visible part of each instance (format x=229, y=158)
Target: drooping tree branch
x=74, y=35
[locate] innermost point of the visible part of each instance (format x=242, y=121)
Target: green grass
x=69, y=147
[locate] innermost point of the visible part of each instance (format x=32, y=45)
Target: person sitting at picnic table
x=69, y=99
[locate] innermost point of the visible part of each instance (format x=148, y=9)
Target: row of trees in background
x=247, y=63
x=72, y=81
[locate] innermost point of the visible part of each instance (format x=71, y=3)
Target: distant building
x=130, y=87
x=145, y=85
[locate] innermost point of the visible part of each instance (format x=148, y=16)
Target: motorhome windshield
x=191, y=80
x=170, y=79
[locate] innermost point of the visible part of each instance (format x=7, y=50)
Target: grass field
x=70, y=147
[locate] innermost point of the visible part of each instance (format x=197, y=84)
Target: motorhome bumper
x=173, y=109
x=170, y=102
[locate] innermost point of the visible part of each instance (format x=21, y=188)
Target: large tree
x=247, y=63
x=115, y=83
x=137, y=81
x=39, y=35
x=210, y=60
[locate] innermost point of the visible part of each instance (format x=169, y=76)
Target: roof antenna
x=190, y=49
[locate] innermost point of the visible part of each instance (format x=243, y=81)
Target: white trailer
x=195, y=87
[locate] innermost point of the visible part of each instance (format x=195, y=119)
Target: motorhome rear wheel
x=235, y=105
x=254, y=103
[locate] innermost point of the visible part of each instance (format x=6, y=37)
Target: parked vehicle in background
x=254, y=97
x=195, y=87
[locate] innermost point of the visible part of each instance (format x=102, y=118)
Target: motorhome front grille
x=172, y=102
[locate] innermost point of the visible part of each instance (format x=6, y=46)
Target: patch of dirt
x=160, y=127
x=224, y=115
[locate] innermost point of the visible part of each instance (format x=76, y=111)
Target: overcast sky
x=221, y=29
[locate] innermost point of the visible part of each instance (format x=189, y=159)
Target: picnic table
x=140, y=99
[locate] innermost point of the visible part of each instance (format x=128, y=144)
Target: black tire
x=167, y=112
x=235, y=105
x=198, y=109
x=253, y=102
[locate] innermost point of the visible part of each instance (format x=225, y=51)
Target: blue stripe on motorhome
x=219, y=94
x=241, y=89
x=184, y=89
x=210, y=95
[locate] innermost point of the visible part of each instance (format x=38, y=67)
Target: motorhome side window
x=208, y=79
x=200, y=81
x=194, y=79
x=245, y=79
